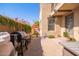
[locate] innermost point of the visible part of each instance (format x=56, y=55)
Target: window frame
x=67, y=23
x=51, y=25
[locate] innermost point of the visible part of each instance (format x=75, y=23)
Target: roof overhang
x=65, y=8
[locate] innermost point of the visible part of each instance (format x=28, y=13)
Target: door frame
x=72, y=26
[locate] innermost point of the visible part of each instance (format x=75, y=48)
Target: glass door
x=69, y=22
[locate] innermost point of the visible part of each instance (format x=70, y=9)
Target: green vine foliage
x=11, y=23
x=27, y=28
x=5, y=20
x=1, y=21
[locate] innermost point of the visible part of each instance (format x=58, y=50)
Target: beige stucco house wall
x=45, y=12
x=76, y=24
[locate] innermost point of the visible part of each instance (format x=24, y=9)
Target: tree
x=27, y=28
x=37, y=23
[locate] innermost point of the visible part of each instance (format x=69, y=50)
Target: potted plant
x=65, y=34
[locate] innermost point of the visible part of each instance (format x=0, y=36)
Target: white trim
x=56, y=8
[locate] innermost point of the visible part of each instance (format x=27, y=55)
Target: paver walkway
x=44, y=47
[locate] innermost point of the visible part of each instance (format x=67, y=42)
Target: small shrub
x=65, y=34
x=72, y=39
x=36, y=33
x=51, y=36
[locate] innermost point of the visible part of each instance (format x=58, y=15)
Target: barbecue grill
x=20, y=41
x=6, y=47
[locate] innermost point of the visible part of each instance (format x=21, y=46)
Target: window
x=69, y=22
x=51, y=24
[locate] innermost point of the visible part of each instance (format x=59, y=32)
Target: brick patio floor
x=44, y=47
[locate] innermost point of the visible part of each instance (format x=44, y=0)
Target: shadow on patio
x=35, y=48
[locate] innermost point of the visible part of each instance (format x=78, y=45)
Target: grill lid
x=23, y=34
x=4, y=37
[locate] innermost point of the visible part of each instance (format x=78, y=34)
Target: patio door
x=69, y=23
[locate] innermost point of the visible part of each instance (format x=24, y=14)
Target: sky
x=26, y=11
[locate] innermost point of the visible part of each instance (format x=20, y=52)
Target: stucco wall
x=58, y=26
x=7, y=28
x=4, y=28
x=45, y=10
x=62, y=25
x=76, y=23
